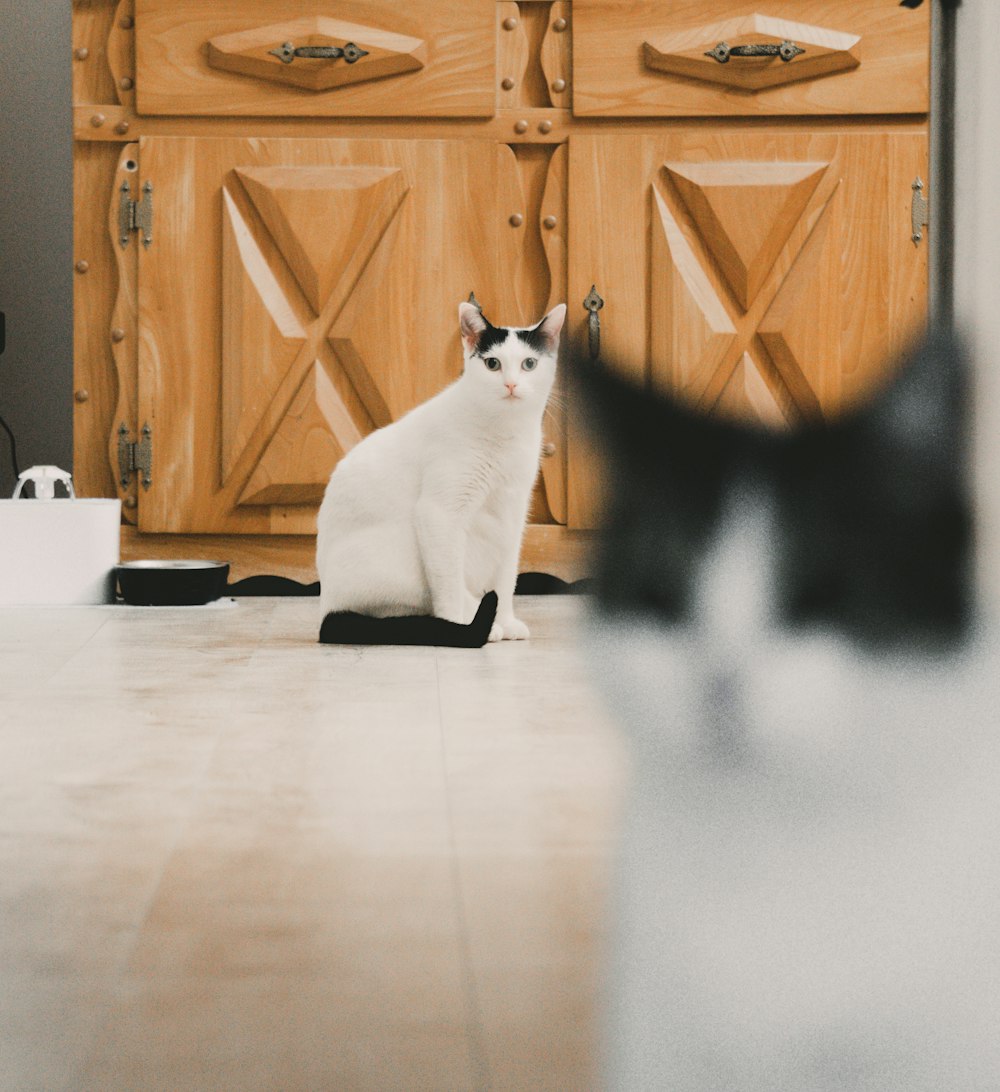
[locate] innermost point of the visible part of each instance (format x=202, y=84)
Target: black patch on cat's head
x=489, y=338
x=477, y=329
x=873, y=511
x=536, y=339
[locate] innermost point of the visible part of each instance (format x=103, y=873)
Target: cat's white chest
x=807, y=867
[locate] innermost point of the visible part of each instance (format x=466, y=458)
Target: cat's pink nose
x=511, y=387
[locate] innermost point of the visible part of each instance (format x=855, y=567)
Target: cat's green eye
x=492, y=363
x=529, y=364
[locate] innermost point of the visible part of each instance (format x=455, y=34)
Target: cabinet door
x=767, y=276
x=355, y=58
x=718, y=58
x=297, y=294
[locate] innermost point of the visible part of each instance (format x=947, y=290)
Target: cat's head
x=753, y=588
x=510, y=366
x=871, y=519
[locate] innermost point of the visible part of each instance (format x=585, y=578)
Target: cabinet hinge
x=919, y=211
x=135, y=456
x=135, y=216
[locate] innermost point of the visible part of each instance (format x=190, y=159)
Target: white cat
x=808, y=877
x=426, y=515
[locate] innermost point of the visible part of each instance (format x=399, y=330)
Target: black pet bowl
x=172, y=583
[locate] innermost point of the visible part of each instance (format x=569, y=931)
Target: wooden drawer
x=224, y=57
x=651, y=58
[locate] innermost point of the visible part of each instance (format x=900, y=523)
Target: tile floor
x=233, y=859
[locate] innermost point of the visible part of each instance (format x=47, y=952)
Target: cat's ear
x=550, y=326
x=471, y=323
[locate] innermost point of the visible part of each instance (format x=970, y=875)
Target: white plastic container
x=58, y=552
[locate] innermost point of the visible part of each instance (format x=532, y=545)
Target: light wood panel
x=277, y=307
x=770, y=261
x=181, y=46
x=648, y=58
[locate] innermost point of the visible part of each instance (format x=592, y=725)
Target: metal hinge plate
x=135, y=456
x=919, y=211
x=135, y=216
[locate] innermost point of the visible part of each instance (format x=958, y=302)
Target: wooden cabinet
x=308, y=224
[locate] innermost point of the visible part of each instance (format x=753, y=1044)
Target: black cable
x=13, y=448
x=3, y=423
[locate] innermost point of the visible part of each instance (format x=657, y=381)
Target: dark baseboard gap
x=272, y=585
x=527, y=584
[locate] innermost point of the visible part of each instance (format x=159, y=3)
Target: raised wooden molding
x=555, y=55
x=248, y=53
x=802, y=329
x=121, y=53
x=748, y=396
x=745, y=307
x=124, y=326
x=691, y=329
x=265, y=319
x=261, y=332
x=745, y=213
x=685, y=52
x=554, y=206
x=315, y=433
x=354, y=205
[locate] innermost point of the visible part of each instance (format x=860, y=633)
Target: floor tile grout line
x=474, y=1022
x=70, y=657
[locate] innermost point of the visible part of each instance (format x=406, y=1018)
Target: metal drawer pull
x=350, y=52
x=593, y=303
x=786, y=51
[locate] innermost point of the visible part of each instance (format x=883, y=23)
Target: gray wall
x=977, y=261
x=36, y=233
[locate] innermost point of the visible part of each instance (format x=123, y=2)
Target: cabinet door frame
x=670, y=307
x=196, y=485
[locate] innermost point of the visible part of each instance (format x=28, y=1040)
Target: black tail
x=348, y=628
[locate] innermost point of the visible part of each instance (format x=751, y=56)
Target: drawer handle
x=786, y=51
x=593, y=303
x=350, y=52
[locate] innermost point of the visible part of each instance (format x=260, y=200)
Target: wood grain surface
x=611, y=77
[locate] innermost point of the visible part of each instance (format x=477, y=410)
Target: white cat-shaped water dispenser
x=56, y=549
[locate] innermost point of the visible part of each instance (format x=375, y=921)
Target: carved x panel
x=295, y=241
x=301, y=293
x=747, y=336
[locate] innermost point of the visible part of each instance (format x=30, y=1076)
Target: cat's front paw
x=510, y=629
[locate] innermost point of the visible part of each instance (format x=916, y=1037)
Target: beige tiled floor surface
x=233, y=859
